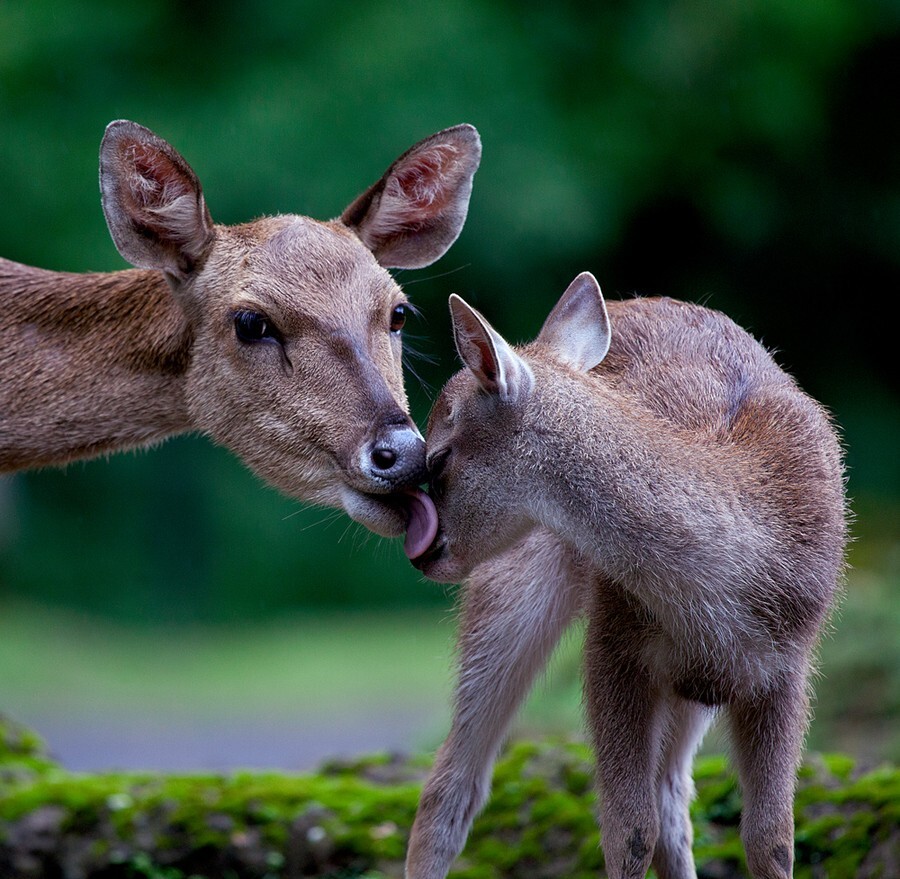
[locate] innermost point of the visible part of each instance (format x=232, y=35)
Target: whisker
x=411, y=354
x=425, y=385
x=433, y=277
x=361, y=538
x=329, y=516
x=350, y=525
x=419, y=354
x=414, y=354
x=415, y=311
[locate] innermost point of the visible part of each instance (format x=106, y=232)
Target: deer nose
x=396, y=456
x=384, y=457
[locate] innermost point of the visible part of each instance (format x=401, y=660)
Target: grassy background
x=314, y=674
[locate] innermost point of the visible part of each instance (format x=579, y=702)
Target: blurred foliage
x=746, y=155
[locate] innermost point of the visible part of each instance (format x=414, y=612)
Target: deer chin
x=439, y=564
x=385, y=514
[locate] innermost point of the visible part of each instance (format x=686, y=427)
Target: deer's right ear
x=499, y=370
x=152, y=200
x=412, y=215
x=578, y=329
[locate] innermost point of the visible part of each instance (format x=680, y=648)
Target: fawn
x=279, y=338
x=652, y=467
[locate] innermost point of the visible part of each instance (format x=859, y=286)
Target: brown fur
x=95, y=363
x=685, y=494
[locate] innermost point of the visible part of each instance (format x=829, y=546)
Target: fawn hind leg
x=687, y=723
x=515, y=609
x=768, y=736
x=627, y=713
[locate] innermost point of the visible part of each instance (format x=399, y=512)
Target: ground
x=351, y=818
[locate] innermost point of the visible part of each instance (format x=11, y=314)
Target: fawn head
x=484, y=431
x=295, y=361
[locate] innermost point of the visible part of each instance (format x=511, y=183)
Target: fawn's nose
x=395, y=457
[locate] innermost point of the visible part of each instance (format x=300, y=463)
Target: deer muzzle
x=380, y=480
x=394, y=458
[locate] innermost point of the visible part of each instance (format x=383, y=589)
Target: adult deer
x=279, y=339
x=652, y=466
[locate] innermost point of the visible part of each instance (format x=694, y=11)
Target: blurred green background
x=741, y=154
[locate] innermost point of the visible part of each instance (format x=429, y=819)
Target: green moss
x=23, y=755
x=842, y=818
x=353, y=819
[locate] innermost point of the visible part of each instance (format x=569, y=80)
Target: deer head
x=294, y=325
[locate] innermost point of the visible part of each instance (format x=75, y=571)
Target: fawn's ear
x=152, y=200
x=499, y=370
x=578, y=327
x=412, y=215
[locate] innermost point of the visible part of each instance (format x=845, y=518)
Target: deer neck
x=91, y=363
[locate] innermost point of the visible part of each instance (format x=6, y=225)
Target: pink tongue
x=422, y=527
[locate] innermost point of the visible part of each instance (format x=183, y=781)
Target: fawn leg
x=687, y=723
x=627, y=713
x=768, y=736
x=515, y=610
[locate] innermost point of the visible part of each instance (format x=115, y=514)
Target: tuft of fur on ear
x=498, y=369
x=152, y=201
x=578, y=328
x=412, y=215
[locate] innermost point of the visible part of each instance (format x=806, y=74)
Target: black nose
x=383, y=457
x=395, y=458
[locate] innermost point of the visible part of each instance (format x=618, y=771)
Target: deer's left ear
x=412, y=215
x=499, y=370
x=578, y=327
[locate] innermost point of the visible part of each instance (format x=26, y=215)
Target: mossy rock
x=351, y=819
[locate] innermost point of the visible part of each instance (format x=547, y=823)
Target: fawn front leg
x=515, y=609
x=768, y=739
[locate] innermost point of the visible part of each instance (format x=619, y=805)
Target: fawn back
x=660, y=438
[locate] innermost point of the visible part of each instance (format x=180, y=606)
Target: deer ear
x=152, y=200
x=410, y=217
x=499, y=370
x=578, y=328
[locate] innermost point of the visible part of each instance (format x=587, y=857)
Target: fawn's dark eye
x=435, y=463
x=251, y=326
x=398, y=318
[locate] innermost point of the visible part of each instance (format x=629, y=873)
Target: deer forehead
x=452, y=401
x=296, y=266
x=463, y=414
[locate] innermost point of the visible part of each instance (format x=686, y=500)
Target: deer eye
x=398, y=318
x=251, y=326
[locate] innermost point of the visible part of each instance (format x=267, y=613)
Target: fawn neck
x=633, y=492
x=91, y=363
